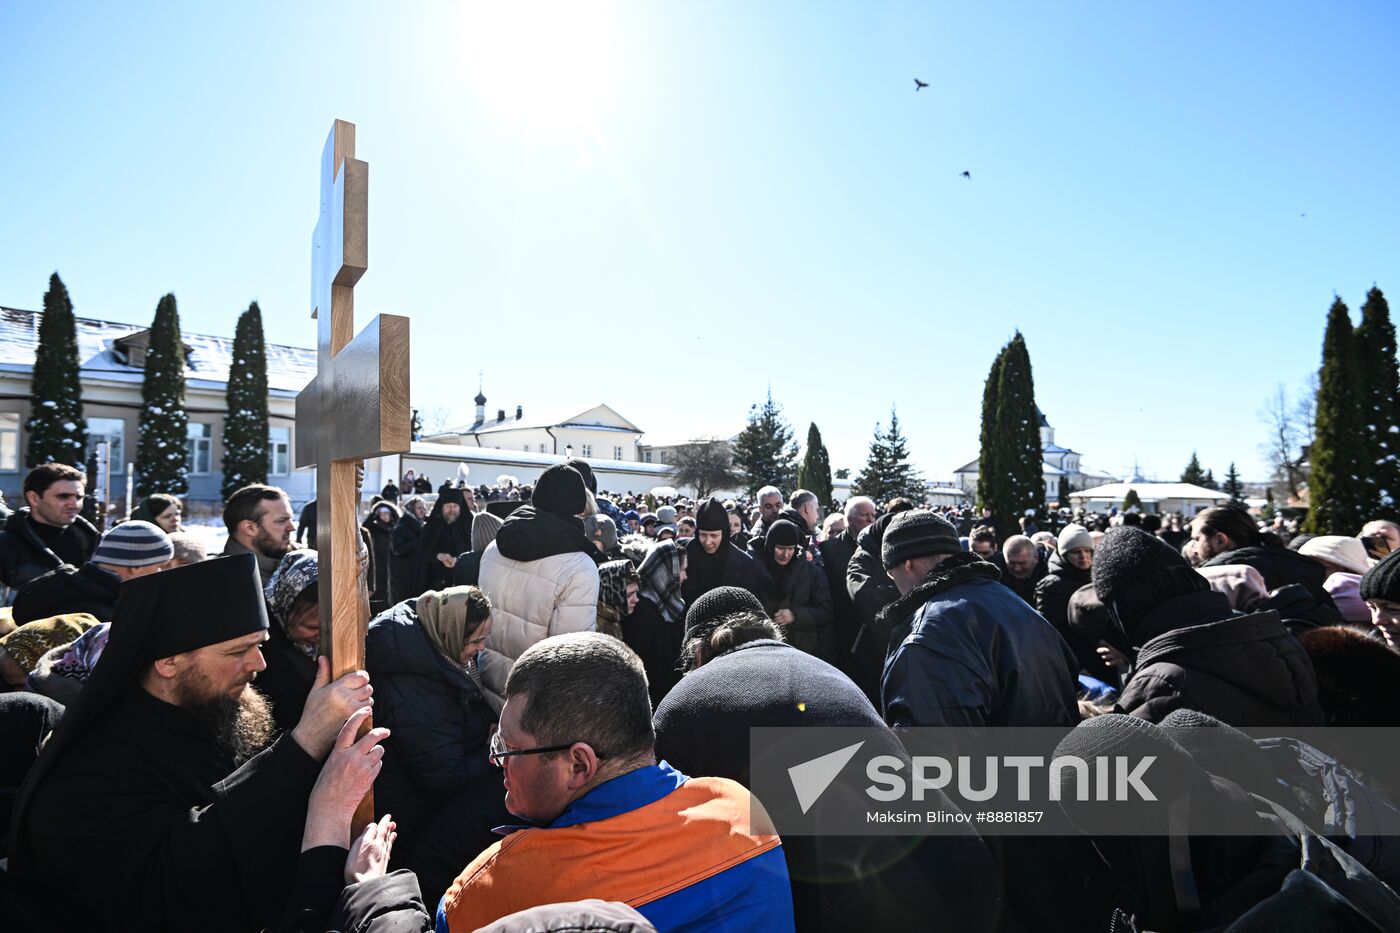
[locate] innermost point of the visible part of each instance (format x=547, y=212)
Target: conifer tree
x=1209, y=481
x=815, y=470
x=888, y=474
x=1335, y=489
x=764, y=452
x=164, y=425
x=1380, y=408
x=1233, y=487
x=989, y=458
x=1132, y=500
x=57, y=432
x=1021, y=474
x=245, y=427
x=415, y=427
x=1193, y=473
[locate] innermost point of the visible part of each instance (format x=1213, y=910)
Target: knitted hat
x=600, y=528
x=561, y=490
x=1073, y=537
x=484, y=528
x=917, y=533
x=586, y=472
x=1346, y=553
x=134, y=544
x=1383, y=580
x=666, y=515
x=1135, y=572
x=707, y=612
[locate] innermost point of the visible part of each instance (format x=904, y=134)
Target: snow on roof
x=1152, y=492
x=465, y=454
x=289, y=369
x=588, y=418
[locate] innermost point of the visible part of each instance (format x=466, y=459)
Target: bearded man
x=158, y=772
x=259, y=522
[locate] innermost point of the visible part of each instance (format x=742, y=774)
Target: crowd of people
x=562, y=682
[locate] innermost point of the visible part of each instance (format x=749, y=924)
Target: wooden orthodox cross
x=356, y=407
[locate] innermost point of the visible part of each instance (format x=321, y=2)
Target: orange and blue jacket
x=689, y=854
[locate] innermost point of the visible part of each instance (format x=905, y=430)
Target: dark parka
x=88, y=588
x=836, y=556
x=439, y=720
x=403, y=558
x=1246, y=670
x=1279, y=567
x=801, y=587
x=870, y=590
x=967, y=651
x=1054, y=590
x=381, y=539
x=24, y=556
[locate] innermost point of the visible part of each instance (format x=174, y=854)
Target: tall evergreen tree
x=56, y=428
x=1380, y=405
x=764, y=452
x=989, y=456
x=1017, y=482
x=164, y=425
x=1233, y=487
x=888, y=474
x=1132, y=500
x=1335, y=490
x=245, y=426
x=815, y=471
x=1209, y=481
x=1193, y=473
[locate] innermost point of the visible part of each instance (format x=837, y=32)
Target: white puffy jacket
x=530, y=601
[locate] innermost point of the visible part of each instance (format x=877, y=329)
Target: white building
x=1058, y=463
x=111, y=360
x=598, y=432
x=1161, y=498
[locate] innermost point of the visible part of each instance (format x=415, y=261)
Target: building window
x=542, y=450
x=197, y=448
x=113, y=431
x=9, y=441
x=526, y=448
x=587, y=450
x=279, y=451
x=648, y=456
x=617, y=453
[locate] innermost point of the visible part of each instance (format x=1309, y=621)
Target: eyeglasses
x=498, y=751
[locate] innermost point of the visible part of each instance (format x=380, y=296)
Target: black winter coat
x=658, y=643
x=802, y=588
x=438, y=719
x=287, y=679
x=836, y=557
x=1279, y=566
x=24, y=556
x=381, y=539
x=1053, y=591
x=88, y=589
x=403, y=554
x=870, y=590
x=739, y=569
x=1245, y=670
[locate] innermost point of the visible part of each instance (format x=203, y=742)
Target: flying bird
x=918, y=84
x=967, y=175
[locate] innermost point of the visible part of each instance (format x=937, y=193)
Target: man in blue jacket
x=965, y=650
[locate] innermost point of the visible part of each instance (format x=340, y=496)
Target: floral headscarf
x=297, y=571
x=613, y=578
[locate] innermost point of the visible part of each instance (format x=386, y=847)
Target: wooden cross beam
x=357, y=406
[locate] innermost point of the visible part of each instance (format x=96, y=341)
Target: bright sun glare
x=544, y=66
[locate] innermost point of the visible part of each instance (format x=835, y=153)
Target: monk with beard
x=157, y=785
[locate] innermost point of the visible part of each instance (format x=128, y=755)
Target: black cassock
x=149, y=820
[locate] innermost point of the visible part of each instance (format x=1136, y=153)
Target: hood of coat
x=1242, y=650
x=397, y=644
x=529, y=535
x=1059, y=567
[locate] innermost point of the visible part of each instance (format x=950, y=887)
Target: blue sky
x=670, y=207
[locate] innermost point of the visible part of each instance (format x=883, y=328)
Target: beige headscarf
x=443, y=615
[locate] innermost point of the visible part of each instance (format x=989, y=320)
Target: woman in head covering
x=617, y=595
x=159, y=509
x=293, y=638
x=801, y=600
x=379, y=523
x=436, y=781
x=656, y=625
